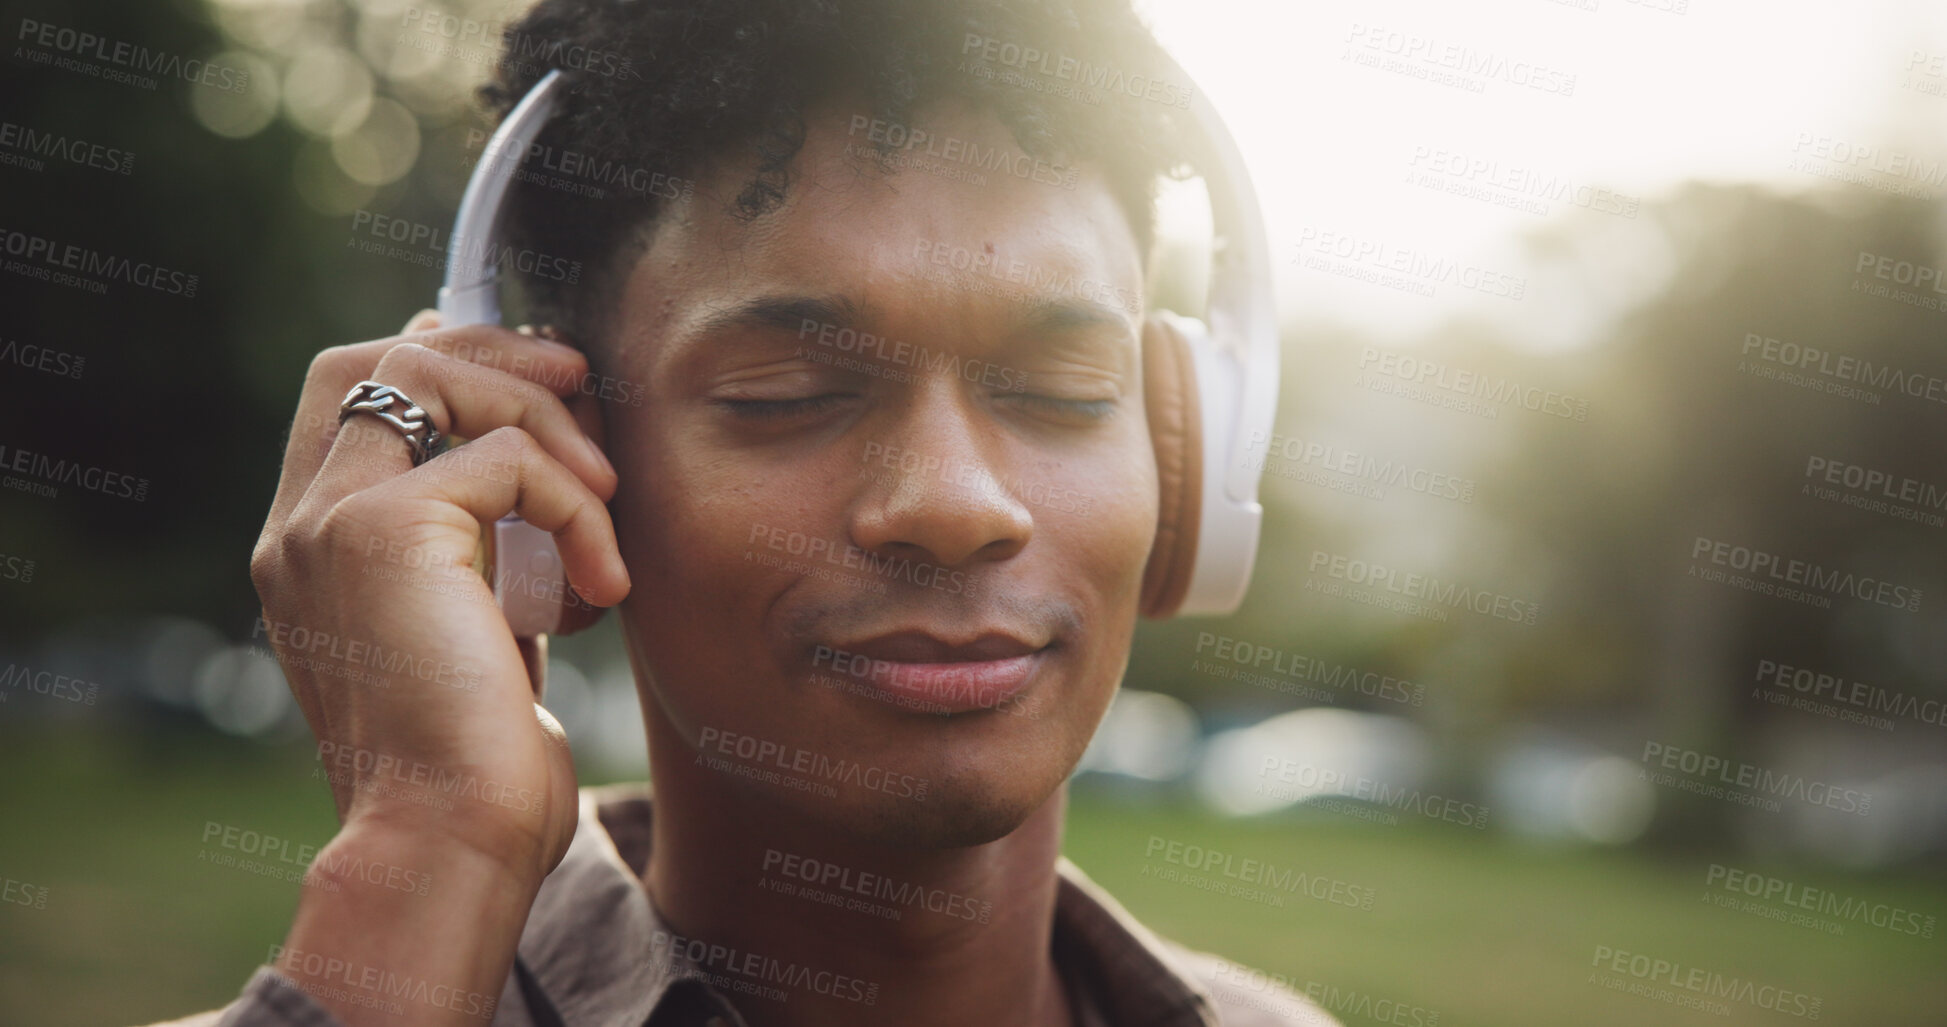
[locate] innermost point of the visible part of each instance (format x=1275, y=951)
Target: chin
x=958, y=814
x=987, y=775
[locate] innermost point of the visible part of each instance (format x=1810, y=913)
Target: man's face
x=895, y=423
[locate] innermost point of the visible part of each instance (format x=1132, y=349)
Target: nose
x=937, y=489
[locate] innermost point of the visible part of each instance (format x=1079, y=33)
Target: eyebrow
x=781, y=313
x=789, y=313
x=1036, y=316
x=1064, y=315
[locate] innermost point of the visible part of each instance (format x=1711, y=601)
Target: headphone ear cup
x=1176, y=432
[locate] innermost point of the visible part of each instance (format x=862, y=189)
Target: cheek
x=682, y=536
x=1103, y=542
x=1112, y=523
x=674, y=516
x=642, y=509
x=710, y=538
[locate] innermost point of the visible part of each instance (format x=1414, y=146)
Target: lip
x=919, y=646
x=919, y=669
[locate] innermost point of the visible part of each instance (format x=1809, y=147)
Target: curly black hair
x=670, y=84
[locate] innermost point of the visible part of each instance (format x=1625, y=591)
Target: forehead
x=965, y=227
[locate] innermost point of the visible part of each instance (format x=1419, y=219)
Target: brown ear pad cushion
x=1176, y=432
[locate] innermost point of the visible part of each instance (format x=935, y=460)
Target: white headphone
x=1208, y=390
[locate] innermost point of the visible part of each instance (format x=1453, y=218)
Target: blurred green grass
x=1469, y=925
x=1482, y=929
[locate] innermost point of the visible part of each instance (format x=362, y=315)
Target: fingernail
x=547, y=335
x=553, y=337
x=600, y=457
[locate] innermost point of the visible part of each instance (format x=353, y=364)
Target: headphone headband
x=471, y=293
x=1242, y=314
x=1237, y=366
x=1236, y=360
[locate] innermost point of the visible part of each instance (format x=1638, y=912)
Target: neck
x=969, y=944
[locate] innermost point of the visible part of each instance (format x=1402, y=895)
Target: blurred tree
x=1686, y=440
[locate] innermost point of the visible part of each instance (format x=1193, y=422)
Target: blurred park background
x=1550, y=334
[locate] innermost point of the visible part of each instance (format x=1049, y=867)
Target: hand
x=403, y=665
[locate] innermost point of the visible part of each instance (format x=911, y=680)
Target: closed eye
x=1092, y=409
x=776, y=409
x=780, y=409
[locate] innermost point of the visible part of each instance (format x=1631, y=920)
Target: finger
x=542, y=491
x=584, y=405
x=577, y=617
x=587, y=408
x=588, y=413
x=334, y=371
x=458, y=398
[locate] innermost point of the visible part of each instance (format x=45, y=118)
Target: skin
x=700, y=478
x=692, y=483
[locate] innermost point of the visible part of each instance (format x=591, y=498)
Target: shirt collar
x=592, y=923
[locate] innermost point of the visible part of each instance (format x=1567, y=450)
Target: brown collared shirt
x=580, y=962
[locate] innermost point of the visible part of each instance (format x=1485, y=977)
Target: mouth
x=921, y=669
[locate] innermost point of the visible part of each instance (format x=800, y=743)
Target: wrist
x=377, y=858
x=394, y=927
x=499, y=852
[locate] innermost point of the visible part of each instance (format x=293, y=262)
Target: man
x=876, y=479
